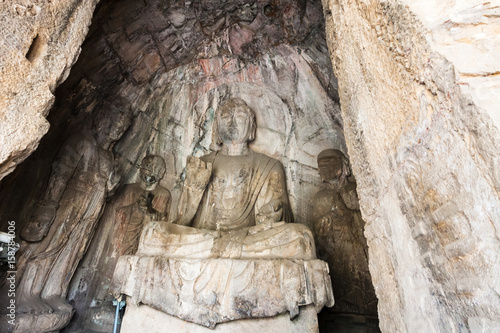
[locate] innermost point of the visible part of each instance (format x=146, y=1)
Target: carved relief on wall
x=156, y=130
x=278, y=138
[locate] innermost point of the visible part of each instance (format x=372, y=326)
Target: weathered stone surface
x=263, y=241
x=279, y=88
x=425, y=156
x=43, y=40
x=138, y=317
x=177, y=121
x=466, y=33
x=178, y=117
x=292, y=89
x=211, y=291
x=46, y=322
x=40, y=42
x=172, y=63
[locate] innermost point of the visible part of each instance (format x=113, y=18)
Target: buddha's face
x=330, y=169
x=152, y=171
x=109, y=126
x=148, y=177
x=235, y=124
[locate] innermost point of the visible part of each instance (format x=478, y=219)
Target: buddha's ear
x=345, y=166
x=253, y=130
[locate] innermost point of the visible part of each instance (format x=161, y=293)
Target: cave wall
x=148, y=57
x=171, y=64
x=279, y=86
x=40, y=42
x=418, y=86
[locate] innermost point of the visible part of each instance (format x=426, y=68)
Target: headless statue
x=64, y=222
x=234, y=202
x=339, y=234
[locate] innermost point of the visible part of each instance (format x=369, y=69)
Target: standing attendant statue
x=140, y=203
x=118, y=234
x=339, y=235
x=63, y=224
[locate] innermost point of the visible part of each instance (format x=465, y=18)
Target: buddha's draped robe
x=233, y=219
x=237, y=193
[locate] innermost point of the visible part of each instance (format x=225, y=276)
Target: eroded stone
x=211, y=291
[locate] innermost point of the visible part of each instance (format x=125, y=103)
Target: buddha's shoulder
x=208, y=157
x=265, y=158
x=256, y=157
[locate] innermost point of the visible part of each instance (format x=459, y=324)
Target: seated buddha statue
x=234, y=203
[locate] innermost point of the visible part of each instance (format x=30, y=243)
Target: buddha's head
x=235, y=122
x=109, y=124
x=152, y=171
x=333, y=166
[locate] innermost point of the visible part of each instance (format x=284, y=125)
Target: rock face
x=234, y=215
x=291, y=88
x=425, y=156
x=466, y=33
x=40, y=42
x=288, y=75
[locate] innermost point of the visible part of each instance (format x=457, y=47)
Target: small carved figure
x=339, y=235
x=142, y=202
x=237, y=197
x=63, y=224
x=118, y=234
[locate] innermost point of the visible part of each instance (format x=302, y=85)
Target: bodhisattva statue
x=234, y=202
x=63, y=224
x=339, y=235
x=141, y=203
x=118, y=234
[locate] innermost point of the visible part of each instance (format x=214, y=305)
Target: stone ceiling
x=131, y=42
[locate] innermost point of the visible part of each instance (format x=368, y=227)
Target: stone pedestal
x=145, y=318
x=209, y=292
